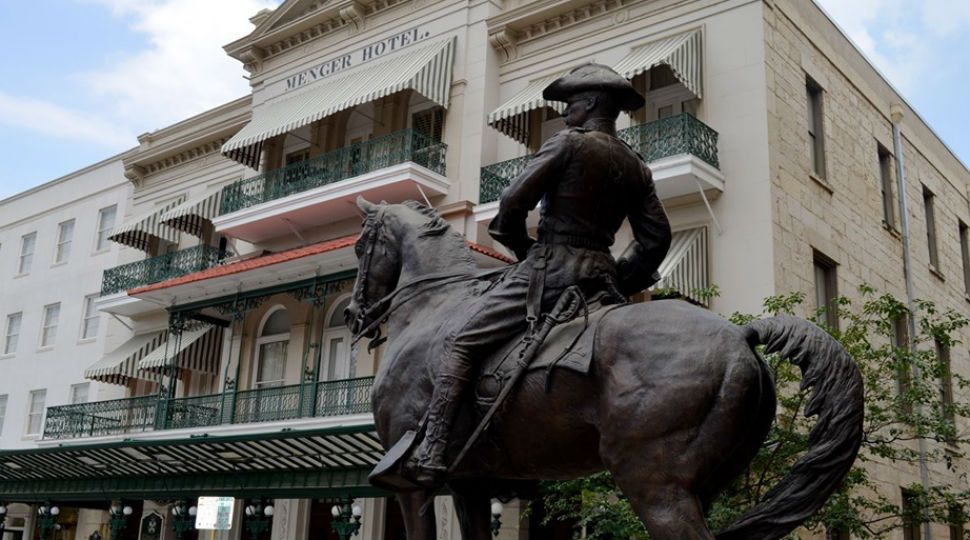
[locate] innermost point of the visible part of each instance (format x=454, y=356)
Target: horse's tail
x=837, y=399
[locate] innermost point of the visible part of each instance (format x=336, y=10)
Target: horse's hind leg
x=473, y=506
x=669, y=511
x=418, y=527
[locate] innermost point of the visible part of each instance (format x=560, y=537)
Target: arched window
x=336, y=357
x=274, y=336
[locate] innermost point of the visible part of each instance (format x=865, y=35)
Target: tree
x=908, y=398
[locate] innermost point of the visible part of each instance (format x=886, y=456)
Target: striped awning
x=426, y=69
x=120, y=366
x=197, y=349
x=685, y=270
x=681, y=52
x=192, y=215
x=139, y=232
x=512, y=117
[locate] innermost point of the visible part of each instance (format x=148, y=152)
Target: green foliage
x=904, y=403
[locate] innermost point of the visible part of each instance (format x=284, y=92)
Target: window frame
x=965, y=255
x=929, y=212
x=815, y=118
x=101, y=241
x=72, y=396
x=31, y=413
x=89, y=300
x=261, y=339
x=7, y=351
x=45, y=325
x=911, y=529
x=62, y=247
x=885, y=161
x=829, y=270
x=29, y=257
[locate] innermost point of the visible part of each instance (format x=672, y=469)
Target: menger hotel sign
x=355, y=58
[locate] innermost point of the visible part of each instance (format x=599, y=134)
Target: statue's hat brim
x=594, y=78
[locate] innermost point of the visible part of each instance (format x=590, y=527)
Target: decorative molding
x=200, y=151
x=504, y=40
x=353, y=13
x=572, y=18
x=135, y=173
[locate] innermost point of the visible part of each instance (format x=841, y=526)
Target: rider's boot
x=428, y=464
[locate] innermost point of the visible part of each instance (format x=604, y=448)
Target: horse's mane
x=435, y=226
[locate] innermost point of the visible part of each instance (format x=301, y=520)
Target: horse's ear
x=366, y=206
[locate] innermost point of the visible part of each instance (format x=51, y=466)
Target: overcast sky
x=82, y=78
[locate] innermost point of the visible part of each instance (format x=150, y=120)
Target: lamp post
x=496, y=517
x=183, y=518
x=47, y=519
x=346, y=519
x=3, y=517
x=119, y=519
x=259, y=516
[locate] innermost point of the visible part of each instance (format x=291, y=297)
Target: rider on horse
x=589, y=182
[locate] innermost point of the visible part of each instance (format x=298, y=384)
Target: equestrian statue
x=494, y=379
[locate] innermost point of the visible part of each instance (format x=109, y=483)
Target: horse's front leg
x=418, y=526
x=473, y=506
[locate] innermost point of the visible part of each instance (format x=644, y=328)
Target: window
x=12, y=333
x=904, y=374
x=965, y=256
x=430, y=122
x=816, y=136
x=836, y=534
x=35, y=412
x=337, y=354
x=956, y=518
x=27, y=242
x=3, y=411
x=826, y=289
x=929, y=204
x=911, y=516
x=945, y=379
x=886, y=183
x=271, y=348
x=106, y=222
x=79, y=393
x=91, y=318
x=65, y=233
x=48, y=331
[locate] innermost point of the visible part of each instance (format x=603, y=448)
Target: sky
x=83, y=78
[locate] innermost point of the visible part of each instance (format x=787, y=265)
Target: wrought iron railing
x=328, y=398
x=680, y=134
x=100, y=418
x=156, y=269
x=341, y=164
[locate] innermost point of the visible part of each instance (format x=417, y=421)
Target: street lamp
x=259, y=516
x=3, y=517
x=47, y=519
x=119, y=519
x=346, y=519
x=496, y=517
x=183, y=518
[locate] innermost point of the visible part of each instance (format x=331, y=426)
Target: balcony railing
x=156, y=269
x=680, y=134
x=341, y=164
x=130, y=415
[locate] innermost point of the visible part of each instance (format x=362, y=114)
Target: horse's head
x=378, y=269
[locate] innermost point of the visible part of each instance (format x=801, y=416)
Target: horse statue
x=675, y=405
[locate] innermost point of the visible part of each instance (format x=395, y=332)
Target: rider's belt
x=572, y=240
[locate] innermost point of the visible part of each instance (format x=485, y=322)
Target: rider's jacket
x=589, y=182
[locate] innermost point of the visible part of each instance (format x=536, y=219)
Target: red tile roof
x=276, y=258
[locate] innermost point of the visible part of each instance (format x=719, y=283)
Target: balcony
x=149, y=413
x=681, y=151
x=317, y=191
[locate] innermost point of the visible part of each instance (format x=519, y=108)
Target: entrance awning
x=681, y=52
x=426, y=69
x=293, y=464
x=512, y=117
x=197, y=349
x=685, y=270
x=191, y=216
x=121, y=365
x=139, y=232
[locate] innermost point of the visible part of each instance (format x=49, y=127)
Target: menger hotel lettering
x=355, y=58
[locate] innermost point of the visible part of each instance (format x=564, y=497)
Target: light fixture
x=497, y=510
x=3, y=510
x=268, y=510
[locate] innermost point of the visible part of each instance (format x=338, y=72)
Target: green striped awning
x=140, y=232
x=426, y=69
x=681, y=52
x=685, y=269
x=198, y=349
x=120, y=366
x=512, y=117
x=192, y=215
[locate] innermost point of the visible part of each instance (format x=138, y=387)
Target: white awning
x=197, y=349
x=685, y=270
x=681, y=52
x=139, y=231
x=426, y=69
x=191, y=216
x=512, y=117
x=121, y=365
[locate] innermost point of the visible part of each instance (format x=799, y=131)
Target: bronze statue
x=670, y=398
